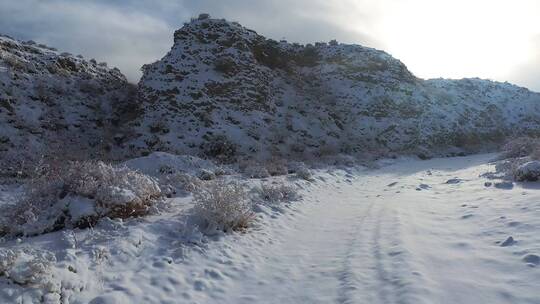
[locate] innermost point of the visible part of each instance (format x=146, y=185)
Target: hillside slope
x=56, y=103
x=223, y=91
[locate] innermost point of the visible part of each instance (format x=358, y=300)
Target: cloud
x=125, y=38
x=528, y=74
x=298, y=21
x=130, y=33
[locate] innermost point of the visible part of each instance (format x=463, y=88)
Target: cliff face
x=223, y=90
x=56, y=104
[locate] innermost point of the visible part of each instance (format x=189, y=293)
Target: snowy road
x=411, y=232
x=420, y=240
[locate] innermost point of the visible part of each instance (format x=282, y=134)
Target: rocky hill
x=57, y=104
x=224, y=91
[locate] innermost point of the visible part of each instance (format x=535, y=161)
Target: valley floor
x=410, y=232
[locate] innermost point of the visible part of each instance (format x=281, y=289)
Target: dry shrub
x=27, y=267
x=275, y=194
x=223, y=206
x=253, y=169
x=14, y=62
x=220, y=148
x=528, y=172
x=78, y=194
x=277, y=166
x=304, y=173
x=521, y=147
x=183, y=181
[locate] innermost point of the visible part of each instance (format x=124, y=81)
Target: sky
x=493, y=39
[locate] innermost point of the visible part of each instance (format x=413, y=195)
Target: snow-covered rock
x=224, y=91
x=529, y=171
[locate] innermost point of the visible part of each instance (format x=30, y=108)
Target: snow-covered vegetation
x=78, y=194
x=279, y=193
x=518, y=161
x=223, y=206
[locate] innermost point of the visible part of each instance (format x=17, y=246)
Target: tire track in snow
x=375, y=266
x=349, y=281
x=397, y=282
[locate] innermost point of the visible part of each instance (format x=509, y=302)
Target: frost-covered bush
x=521, y=147
x=253, y=169
x=183, y=181
x=275, y=194
x=529, y=171
x=277, y=166
x=256, y=171
x=220, y=148
x=78, y=194
x=28, y=267
x=207, y=175
x=223, y=206
x=304, y=173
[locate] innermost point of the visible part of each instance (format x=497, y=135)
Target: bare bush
x=275, y=194
x=183, y=181
x=14, y=62
x=529, y=171
x=521, y=147
x=223, y=206
x=304, y=173
x=27, y=267
x=78, y=194
x=220, y=148
x=277, y=166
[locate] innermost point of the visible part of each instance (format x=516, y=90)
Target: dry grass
x=223, y=206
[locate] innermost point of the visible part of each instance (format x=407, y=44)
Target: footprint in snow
x=504, y=185
x=392, y=184
x=423, y=187
x=531, y=259
x=466, y=216
x=453, y=181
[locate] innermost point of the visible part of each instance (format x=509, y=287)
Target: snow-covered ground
x=411, y=232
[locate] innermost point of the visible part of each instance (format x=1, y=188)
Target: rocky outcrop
x=224, y=91
x=57, y=104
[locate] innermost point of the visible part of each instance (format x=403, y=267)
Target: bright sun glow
x=460, y=38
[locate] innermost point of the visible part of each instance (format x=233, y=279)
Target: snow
x=358, y=236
